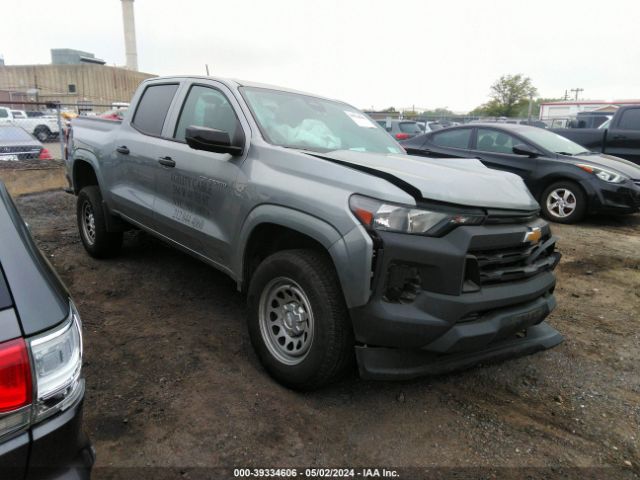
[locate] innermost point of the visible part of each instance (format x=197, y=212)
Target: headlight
x=602, y=174
x=378, y=215
x=57, y=361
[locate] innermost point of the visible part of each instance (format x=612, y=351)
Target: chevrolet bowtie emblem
x=533, y=236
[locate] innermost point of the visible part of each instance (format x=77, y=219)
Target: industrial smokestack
x=129, y=22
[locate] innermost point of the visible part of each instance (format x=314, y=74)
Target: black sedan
x=41, y=384
x=567, y=181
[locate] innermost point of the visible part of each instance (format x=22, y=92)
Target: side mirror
x=212, y=140
x=522, y=149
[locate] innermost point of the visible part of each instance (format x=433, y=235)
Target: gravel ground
x=173, y=382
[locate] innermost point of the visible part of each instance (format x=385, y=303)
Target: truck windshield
x=552, y=141
x=300, y=121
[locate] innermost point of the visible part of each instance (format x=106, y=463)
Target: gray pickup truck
x=347, y=247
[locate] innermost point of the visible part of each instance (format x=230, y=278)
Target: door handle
x=167, y=162
x=123, y=150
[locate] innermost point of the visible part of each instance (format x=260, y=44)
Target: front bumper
x=441, y=304
x=615, y=198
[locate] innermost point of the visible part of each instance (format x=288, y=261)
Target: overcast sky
x=370, y=53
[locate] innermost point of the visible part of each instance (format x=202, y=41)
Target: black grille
x=21, y=153
x=513, y=263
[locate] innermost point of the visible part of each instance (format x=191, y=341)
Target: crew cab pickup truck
x=43, y=128
x=619, y=136
x=346, y=246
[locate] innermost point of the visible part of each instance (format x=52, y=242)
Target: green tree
x=509, y=95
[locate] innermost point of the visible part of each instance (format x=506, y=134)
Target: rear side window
x=409, y=127
x=630, y=120
x=153, y=107
x=453, y=138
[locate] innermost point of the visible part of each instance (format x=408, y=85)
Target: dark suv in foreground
x=41, y=386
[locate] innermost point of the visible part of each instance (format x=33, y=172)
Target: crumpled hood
x=461, y=181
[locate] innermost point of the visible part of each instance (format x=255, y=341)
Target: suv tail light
x=15, y=386
x=56, y=358
x=402, y=136
x=57, y=361
x=15, y=375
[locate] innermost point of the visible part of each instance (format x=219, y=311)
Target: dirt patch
x=172, y=380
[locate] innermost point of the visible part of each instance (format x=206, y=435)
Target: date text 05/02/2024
x=315, y=473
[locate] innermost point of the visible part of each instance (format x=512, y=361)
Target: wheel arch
x=271, y=228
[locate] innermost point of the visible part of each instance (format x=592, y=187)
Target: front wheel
x=564, y=202
x=298, y=321
x=97, y=240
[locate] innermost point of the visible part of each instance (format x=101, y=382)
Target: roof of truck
x=233, y=82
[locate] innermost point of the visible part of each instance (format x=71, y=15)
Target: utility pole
x=206, y=66
x=577, y=91
x=530, y=107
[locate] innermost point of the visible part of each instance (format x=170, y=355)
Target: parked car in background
x=346, y=246
x=567, y=180
x=43, y=128
x=430, y=126
x=115, y=114
x=17, y=114
x=590, y=119
x=401, y=129
x=619, y=136
x=41, y=384
x=17, y=144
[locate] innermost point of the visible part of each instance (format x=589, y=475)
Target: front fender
x=351, y=254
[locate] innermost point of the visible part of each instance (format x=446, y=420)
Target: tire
x=295, y=295
x=42, y=133
x=564, y=202
x=97, y=241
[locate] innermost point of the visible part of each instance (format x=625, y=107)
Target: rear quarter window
x=153, y=107
x=630, y=120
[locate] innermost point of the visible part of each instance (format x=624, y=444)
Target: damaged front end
x=473, y=294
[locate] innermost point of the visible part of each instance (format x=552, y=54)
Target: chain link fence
x=38, y=130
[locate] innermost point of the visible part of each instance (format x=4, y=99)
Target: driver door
x=494, y=148
x=195, y=203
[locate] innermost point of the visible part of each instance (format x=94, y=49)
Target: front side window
x=206, y=107
x=301, y=121
x=153, y=107
x=495, y=141
x=3, y=113
x=630, y=119
x=453, y=138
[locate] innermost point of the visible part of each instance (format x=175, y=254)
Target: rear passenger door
x=624, y=139
x=197, y=203
x=131, y=167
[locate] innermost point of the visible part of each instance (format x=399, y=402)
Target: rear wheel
x=564, y=202
x=97, y=240
x=42, y=133
x=298, y=321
